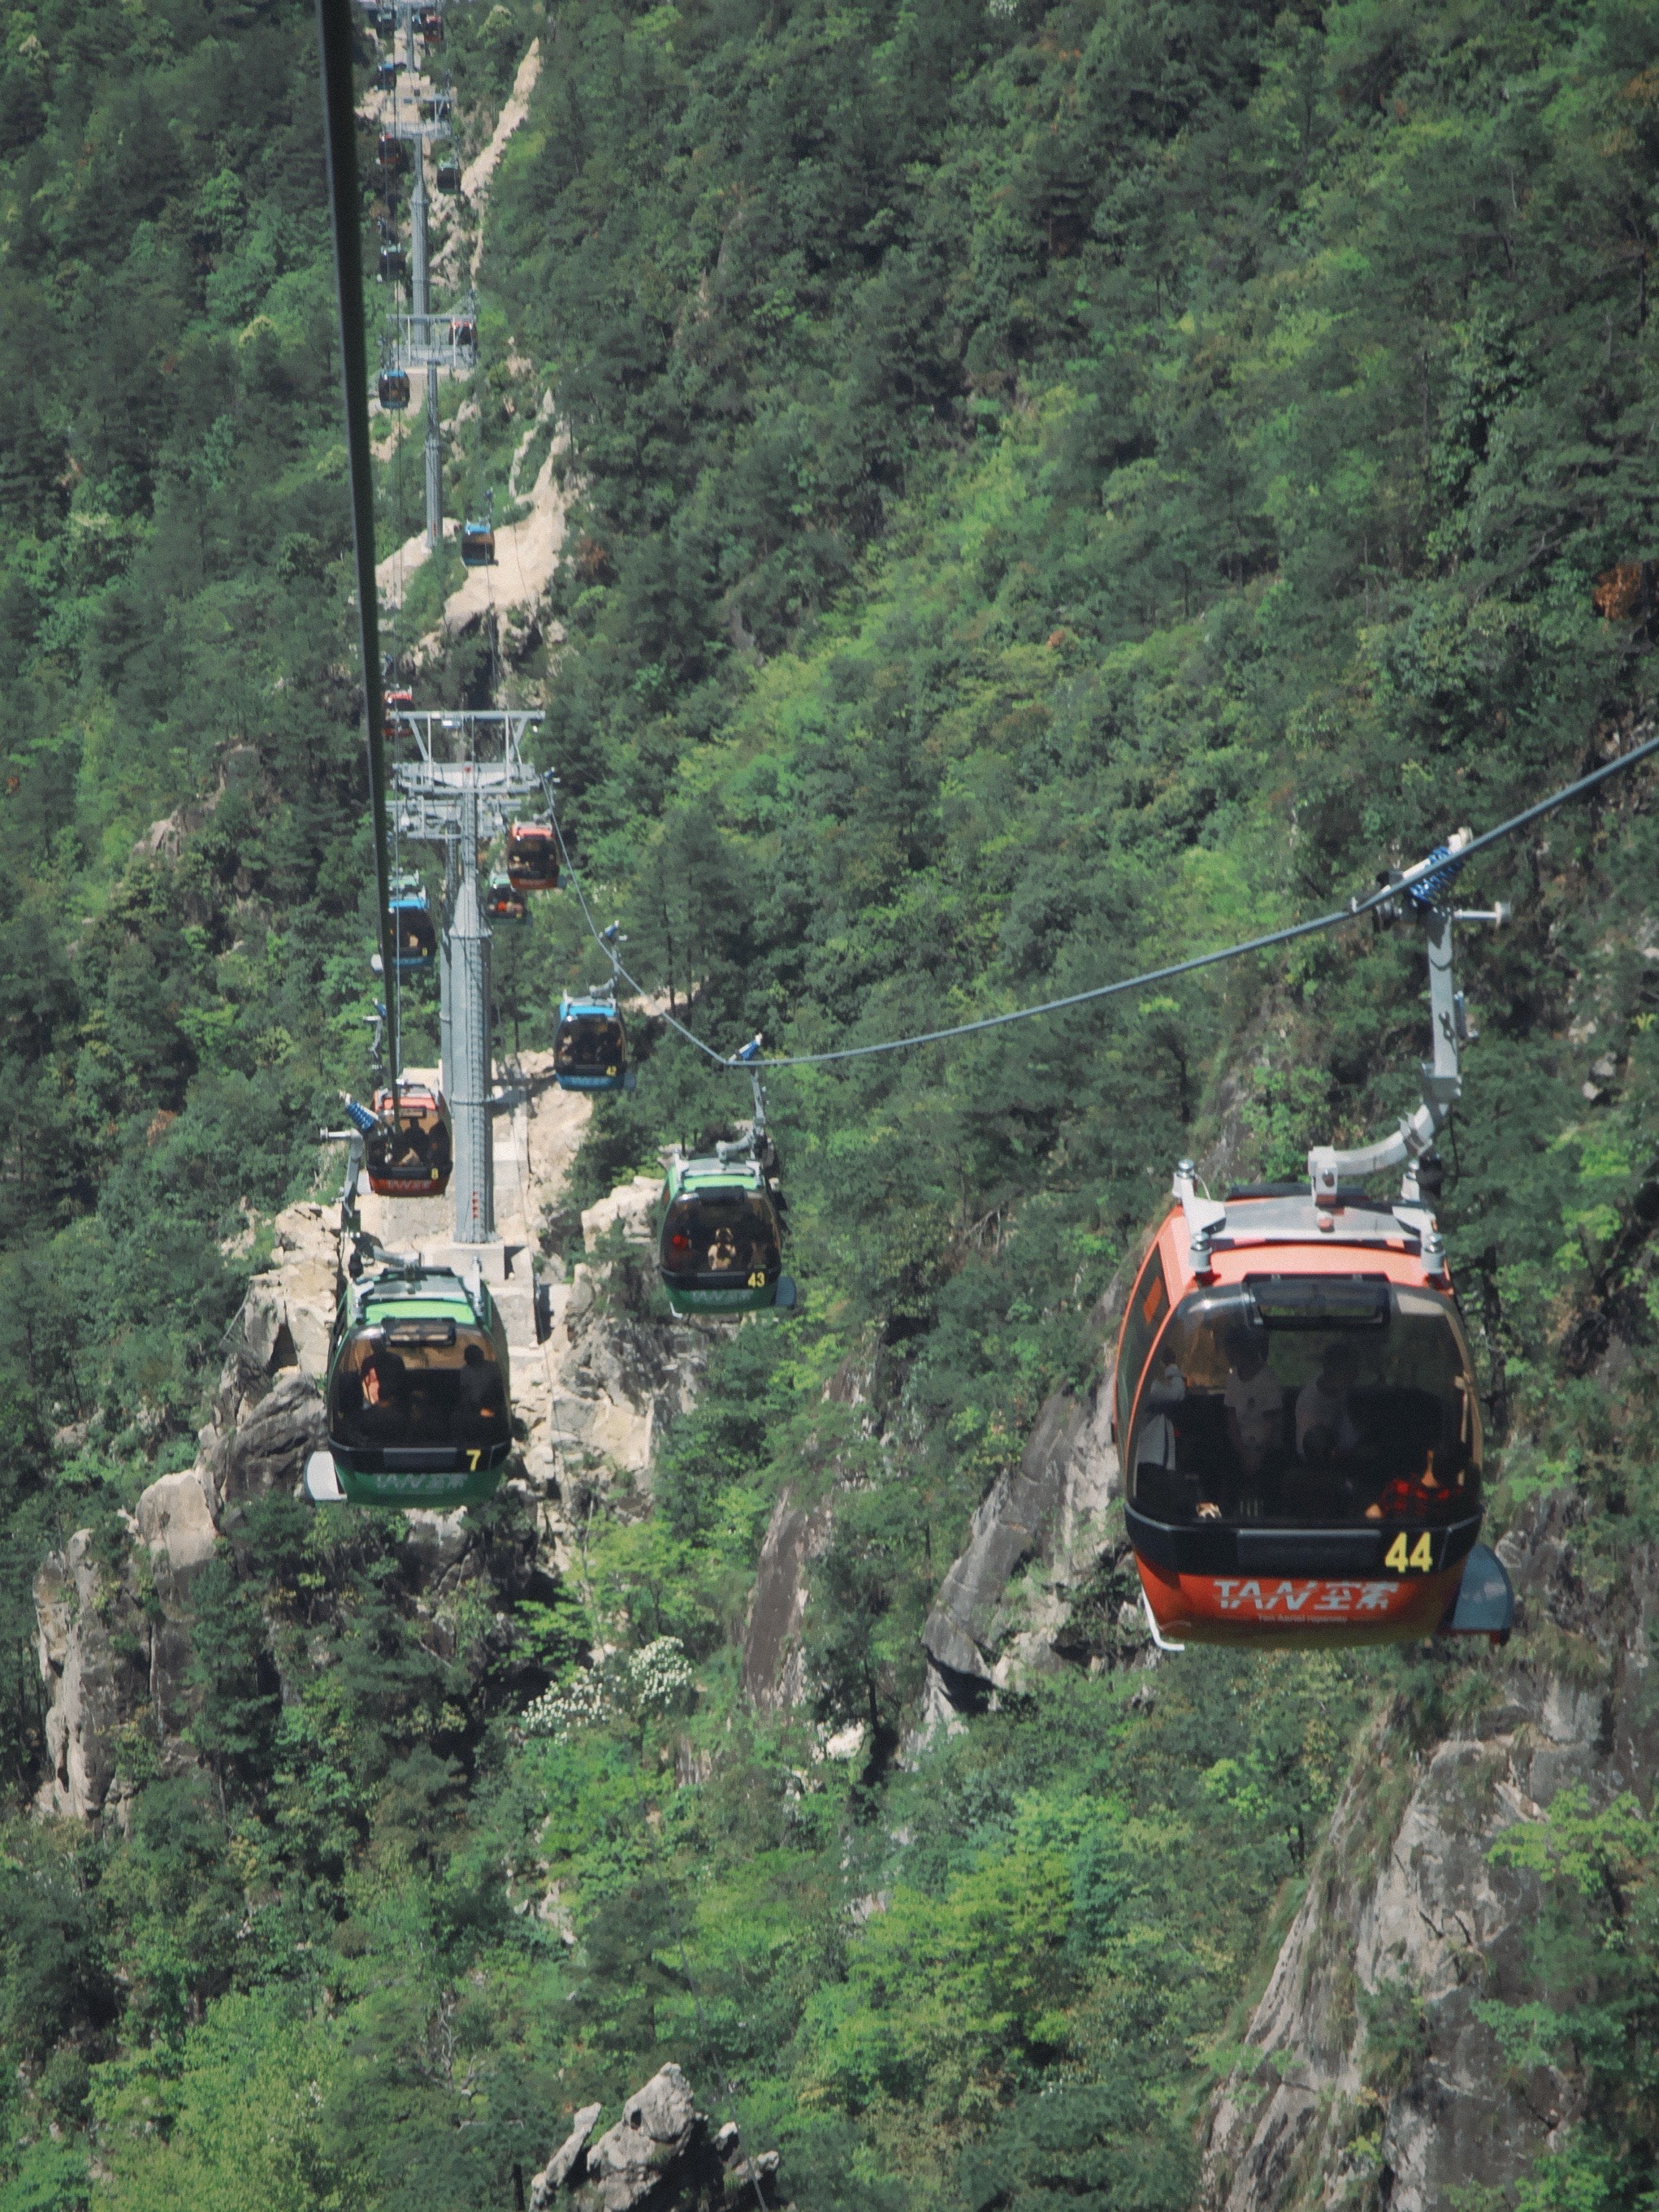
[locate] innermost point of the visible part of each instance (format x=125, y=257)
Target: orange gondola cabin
x=1295, y=1404
x=1299, y=1423
x=409, y=1154
x=532, y=857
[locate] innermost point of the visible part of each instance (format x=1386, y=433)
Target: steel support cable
x=1313, y=927
x=691, y=1036
x=340, y=140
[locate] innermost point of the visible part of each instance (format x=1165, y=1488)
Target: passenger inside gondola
x=718, y=1234
x=420, y=1382
x=413, y=1143
x=1299, y=1417
x=588, y=1044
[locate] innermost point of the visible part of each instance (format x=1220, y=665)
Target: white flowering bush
x=657, y=1679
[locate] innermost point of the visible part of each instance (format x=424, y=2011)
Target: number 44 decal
x=1420, y=1560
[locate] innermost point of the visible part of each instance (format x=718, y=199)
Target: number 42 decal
x=1421, y=1559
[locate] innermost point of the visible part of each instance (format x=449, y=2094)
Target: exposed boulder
x=272, y=1438
x=660, y=2157
x=627, y=1208
x=175, y=1519
x=559, y=2168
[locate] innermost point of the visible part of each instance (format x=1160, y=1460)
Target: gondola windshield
x=421, y=1381
x=1308, y=1400
x=589, y=1044
x=711, y=1238
x=416, y=1142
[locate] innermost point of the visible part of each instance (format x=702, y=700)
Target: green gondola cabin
x=418, y=1395
x=721, y=1250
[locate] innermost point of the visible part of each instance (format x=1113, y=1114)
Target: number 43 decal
x=1420, y=1560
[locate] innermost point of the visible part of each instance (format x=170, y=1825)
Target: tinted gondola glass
x=1314, y=1402
x=394, y=154
x=477, y=545
x=394, y=262
x=418, y=1401
x=394, y=392
x=590, y=1048
x=721, y=1250
x=449, y=176
x=409, y=1154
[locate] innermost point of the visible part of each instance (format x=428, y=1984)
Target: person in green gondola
x=480, y=1401
x=383, y=1402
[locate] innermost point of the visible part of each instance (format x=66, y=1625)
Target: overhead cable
x=1317, y=924
x=340, y=138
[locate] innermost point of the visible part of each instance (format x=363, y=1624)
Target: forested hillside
x=1053, y=489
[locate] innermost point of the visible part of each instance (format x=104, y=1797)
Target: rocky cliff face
x=1405, y=1909
x=114, y=1629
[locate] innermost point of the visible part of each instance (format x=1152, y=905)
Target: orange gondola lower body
x=409, y=1182
x=1297, y=1610
x=1391, y=1583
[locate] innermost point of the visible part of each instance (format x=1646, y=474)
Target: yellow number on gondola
x=757, y=1281
x=473, y=1457
x=1421, y=1559
x=610, y=1071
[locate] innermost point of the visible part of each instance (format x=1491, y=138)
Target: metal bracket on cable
x=754, y=1143
x=1442, y=1078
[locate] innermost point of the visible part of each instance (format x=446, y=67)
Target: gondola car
x=414, y=934
x=449, y=176
x=477, y=545
x=1299, y=1423
x=590, y=1047
x=721, y=1246
x=393, y=265
x=409, y=1154
x=502, y=902
x=393, y=389
x=399, y=705
x=394, y=153
x=532, y=856
x=418, y=1398
x=430, y=21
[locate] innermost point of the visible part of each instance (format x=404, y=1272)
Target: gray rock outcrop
x=1037, y=1538
x=83, y=1677
x=773, y=1675
x=660, y=2156
x=1405, y=1906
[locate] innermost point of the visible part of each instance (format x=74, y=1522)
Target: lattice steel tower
x=468, y=780
x=422, y=341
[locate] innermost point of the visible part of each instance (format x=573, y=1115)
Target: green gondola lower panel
x=419, y=1410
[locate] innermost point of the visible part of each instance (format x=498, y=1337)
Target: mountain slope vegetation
x=1055, y=490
